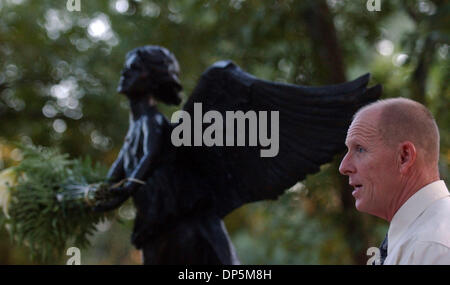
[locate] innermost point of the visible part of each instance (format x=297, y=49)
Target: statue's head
x=151, y=70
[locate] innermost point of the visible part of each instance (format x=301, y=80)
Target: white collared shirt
x=419, y=232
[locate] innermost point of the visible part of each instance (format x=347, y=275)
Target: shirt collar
x=412, y=208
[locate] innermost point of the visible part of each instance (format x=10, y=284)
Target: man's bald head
x=401, y=119
x=392, y=152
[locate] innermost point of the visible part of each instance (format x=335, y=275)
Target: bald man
x=392, y=164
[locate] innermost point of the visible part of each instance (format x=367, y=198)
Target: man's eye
x=360, y=149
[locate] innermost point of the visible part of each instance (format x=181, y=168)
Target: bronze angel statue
x=188, y=190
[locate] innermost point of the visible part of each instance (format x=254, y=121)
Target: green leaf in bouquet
x=48, y=208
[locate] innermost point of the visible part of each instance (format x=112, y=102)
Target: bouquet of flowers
x=47, y=201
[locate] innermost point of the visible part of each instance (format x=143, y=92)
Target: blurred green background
x=59, y=71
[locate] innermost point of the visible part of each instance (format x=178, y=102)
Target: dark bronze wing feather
x=312, y=127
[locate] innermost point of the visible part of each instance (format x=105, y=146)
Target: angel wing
x=312, y=127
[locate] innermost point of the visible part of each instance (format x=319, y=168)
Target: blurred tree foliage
x=59, y=71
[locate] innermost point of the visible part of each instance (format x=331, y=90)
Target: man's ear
x=407, y=156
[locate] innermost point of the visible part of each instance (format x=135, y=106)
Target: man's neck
x=412, y=183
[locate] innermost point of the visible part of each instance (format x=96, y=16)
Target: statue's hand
x=118, y=191
x=116, y=196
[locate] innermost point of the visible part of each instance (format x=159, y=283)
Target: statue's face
x=174, y=71
x=134, y=76
x=160, y=80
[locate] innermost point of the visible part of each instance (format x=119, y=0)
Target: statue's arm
x=117, y=172
x=152, y=130
x=152, y=144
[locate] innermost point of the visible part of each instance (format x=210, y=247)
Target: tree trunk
x=323, y=34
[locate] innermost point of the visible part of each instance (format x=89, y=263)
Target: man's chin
x=359, y=205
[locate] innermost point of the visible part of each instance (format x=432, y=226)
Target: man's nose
x=346, y=167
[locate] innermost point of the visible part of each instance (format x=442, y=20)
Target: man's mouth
x=357, y=187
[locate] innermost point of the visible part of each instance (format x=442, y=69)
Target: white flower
x=8, y=178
